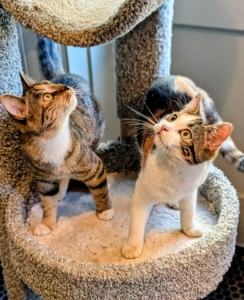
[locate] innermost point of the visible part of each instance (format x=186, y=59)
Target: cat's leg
x=49, y=191
x=95, y=178
x=63, y=186
x=187, y=215
x=139, y=216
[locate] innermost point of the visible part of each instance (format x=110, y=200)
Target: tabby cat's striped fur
x=60, y=128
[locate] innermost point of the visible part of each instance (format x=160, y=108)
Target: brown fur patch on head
x=205, y=142
x=147, y=147
x=192, y=149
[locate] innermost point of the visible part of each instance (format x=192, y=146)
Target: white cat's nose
x=160, y=127
x=164, y=128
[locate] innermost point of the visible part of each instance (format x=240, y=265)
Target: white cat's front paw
x=129, y=251
x=106, y=215
x=195, y=231
x=41, y=229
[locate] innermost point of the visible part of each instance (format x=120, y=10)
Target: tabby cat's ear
x=26, y=81
x=217, y=135
x=193, y=106
x=16, y=106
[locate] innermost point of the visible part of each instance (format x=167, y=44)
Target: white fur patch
x=54, y=150
x=167, y=181
x=106, y=215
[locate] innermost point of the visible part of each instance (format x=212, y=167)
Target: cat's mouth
x=162, y=138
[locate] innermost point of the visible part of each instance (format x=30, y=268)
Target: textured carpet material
x=120, y=156
x=80, y=22
x=10, y=61
x=142, y=56
x=191, y=273
x=14, y=174
x=231, y=287
x=81, y=235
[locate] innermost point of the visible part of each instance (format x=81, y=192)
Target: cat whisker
x=136, y=131
x=142, y=115
x=152, y=114
x=147, y=121
x=161, y=152
x=167, y=149
x=136, y=123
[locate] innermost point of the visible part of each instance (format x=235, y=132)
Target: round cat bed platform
x=79, y=22
x=189, y=273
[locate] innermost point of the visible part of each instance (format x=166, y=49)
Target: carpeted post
x=142, y=55
x=13, y=171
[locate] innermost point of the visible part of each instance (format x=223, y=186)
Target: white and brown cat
x=177, y=149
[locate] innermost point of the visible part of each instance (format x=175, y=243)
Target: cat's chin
x=158, y=142
x=73, y=102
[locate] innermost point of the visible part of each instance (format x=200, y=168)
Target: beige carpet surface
x=82, y=236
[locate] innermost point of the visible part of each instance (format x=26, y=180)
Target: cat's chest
x=52, y=150
x=169, y=180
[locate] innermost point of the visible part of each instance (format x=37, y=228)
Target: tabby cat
x=60, y=127
x=177, y=148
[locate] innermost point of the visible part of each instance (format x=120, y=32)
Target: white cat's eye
x=186, y=134
x=48, y=97
x=172, y=118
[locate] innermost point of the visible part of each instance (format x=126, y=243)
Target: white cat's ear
x=26, y=81
x=219, y=134
x=16, y=106
x=193, y=106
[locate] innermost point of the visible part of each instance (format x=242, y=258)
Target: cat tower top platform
x=81, y=22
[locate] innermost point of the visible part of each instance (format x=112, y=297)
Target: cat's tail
x=49, y=58
x=228, y=149
x=232, y=154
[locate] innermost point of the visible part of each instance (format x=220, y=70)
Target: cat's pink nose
x=164, y=128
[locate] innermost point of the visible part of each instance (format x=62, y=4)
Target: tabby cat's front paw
x=106, y=215
x=41, y=229
x=129, y=251
x=195, y=231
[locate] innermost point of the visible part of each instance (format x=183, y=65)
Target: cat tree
x=142, y=30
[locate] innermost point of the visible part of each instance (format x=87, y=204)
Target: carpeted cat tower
x=142, y=34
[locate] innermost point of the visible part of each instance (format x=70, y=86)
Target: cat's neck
x=53, y=149
x=175, y=171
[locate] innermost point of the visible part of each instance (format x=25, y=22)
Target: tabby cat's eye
x=185, y=134
x=48, y=97
x=172, y=118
